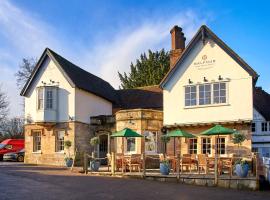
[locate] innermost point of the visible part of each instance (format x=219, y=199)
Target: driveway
x=19, y=181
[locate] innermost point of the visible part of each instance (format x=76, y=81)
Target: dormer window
x=46, y=96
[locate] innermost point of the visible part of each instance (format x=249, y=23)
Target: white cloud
x=23, y=36
x=26, y=35
x=125, y=47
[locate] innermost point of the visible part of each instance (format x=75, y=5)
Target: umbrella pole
x=122, y=154
x=216, y=161
x=179, y=157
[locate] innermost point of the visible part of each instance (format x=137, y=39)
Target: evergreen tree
x=148, y=70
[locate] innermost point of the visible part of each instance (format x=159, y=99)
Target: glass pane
x=208, y=94
x=193, y=102
x=207, y=101
x=222, y=86
x=216, y=100
x=187, y=103
x=193, y=95
x=216, y=93
x=222, y=99
x=223, y=93
x=201, y=101
x=187, y=89
x=207, y=87
x=193, y=89
x=216, y=86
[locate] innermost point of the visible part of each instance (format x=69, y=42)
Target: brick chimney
x=178, y=44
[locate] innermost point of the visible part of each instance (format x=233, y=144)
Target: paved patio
x=20, y=181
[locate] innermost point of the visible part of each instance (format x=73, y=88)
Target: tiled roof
x=261, y=102
x=149, y=97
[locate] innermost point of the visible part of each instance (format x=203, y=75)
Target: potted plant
x=68, y=159
x=94, y=164
x=164, y=165
x=241, y=168
x=241, y=165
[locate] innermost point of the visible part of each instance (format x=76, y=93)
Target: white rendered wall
x=65, y=105
x=239, y=88
x=88, y=104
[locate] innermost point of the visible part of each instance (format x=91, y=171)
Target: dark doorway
x=103, y=148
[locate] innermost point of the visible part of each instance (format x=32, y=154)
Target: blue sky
x=103, y=37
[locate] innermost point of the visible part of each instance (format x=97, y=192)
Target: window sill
x=206, y=106
x=60, y=152
x=37, y=152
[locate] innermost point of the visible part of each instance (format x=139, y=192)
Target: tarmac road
x=19, y=181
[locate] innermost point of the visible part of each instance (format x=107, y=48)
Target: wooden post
x=113, y=163
x=122, y=155
x=178, y=166
x=109, y=144
x=216, y=162
x=144, y=165
x=85, y=163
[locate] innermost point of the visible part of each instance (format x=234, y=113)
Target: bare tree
x=25, y=70
x=13, y=128
x=3, y=106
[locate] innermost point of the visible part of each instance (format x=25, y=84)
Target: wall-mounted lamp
x=43, y=82
x=204, y=79
x=189, y=81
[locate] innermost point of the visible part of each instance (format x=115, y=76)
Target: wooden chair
x=185, y=162
x=202, y=163
x=227, y=164
x=134, y=162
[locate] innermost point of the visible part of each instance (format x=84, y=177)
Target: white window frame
x=207, y=144
x=219, y=93
x=36, y=147
x=204, y=92
x=197, y=86
x=40, y=98
x=49, y=98
x=59, y=144
x=189, y=94
x=191, y=143
x=218, y=145
x=264, y=126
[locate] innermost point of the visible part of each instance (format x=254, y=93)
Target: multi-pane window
x=36, y=141
x=49, y=98
x=220, y=145
x=264, y=126
x=40, y=98
x=193, y=146
x=219, y=93
x=131, y=142
x=59, y=141
x=150, y=142
x=204, y=94
x=253, y=127
x=190, y=96
x=206, y=145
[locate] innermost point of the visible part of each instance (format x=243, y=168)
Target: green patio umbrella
x=179, y=134
x=125, y=133
x=217, y=130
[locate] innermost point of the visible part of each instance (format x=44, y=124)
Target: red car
x=11, y=145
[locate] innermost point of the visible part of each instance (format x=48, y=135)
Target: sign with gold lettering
x=204, y=62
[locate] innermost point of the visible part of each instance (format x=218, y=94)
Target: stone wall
x=76, y=132
x=140, y=120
